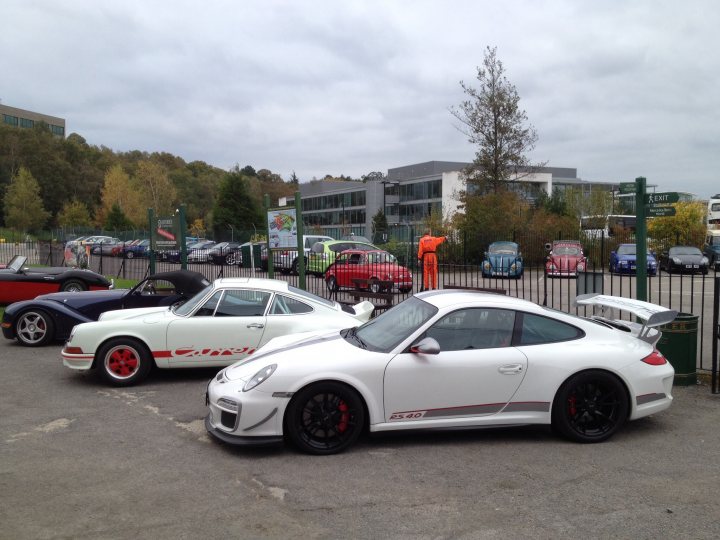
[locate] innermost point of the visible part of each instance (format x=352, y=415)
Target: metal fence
x=459, y=265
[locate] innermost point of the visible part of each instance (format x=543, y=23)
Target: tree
x=117, y=220
x=74, y=214
x=491, y=119
x=374, y=176
x=379, y=227
x=119, y=189
x=154, y=183
x=24, y=209
x=294, y=180
x=686, y=227
x=235, y=208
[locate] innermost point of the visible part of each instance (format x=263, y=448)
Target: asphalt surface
x=79, y=459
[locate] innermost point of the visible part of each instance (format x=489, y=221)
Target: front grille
x=227, y=419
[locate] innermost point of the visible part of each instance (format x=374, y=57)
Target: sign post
x=640, y=239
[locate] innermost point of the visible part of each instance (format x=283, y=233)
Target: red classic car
x=367, y=270
x=19, y=282
x=565, y=259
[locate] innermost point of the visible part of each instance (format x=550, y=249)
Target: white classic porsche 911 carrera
x=448, y=359
x=221, y=324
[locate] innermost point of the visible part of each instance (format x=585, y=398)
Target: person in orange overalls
x=426, y=254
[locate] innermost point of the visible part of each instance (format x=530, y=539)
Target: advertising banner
x=282, y=228
x=166, y=234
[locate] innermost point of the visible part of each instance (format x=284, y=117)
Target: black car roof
x=186, y=282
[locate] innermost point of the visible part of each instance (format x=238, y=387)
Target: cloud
x=615, y=89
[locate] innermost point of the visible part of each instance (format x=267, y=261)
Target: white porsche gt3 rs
x=448, y=359
x=220, y=325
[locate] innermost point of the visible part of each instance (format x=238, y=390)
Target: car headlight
x=486, y=265
x=704, y=260
x=676, y=260
x=260, y=377
x=581, y=267
x=513, y=267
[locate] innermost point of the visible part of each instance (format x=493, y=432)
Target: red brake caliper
x=344, y=417
x=572, y=409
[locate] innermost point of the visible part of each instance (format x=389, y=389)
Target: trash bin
x=679, y=345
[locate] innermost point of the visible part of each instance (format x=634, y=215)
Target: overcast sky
x=616, y=89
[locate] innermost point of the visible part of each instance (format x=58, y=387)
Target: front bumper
x=236, y=440
x=79, y=362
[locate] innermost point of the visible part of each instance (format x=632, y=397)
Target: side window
x=474, y=329
x=355, y=258
x=284, y=305
x=208, y=309
x=341, y=260
x=537, y=329
x=243, y=303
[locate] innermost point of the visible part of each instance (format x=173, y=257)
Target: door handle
x=511, y=369
x=256, y=325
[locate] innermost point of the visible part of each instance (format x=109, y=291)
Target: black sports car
x=20, y=282
x=684, y=259
x=52, y=316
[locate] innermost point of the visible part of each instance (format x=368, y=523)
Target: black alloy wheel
x=590, y=407
x=324, y=418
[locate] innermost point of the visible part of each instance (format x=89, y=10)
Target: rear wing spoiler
x=651, y=314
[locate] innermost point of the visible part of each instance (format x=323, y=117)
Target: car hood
x=690, y=259
x=501, y=260
x=566, y=261
x=82, y=298
x=149, y=315
x=632, y=257
x=326, y=345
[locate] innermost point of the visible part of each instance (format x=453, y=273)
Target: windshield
x=684, y=251
x=505, y=247
x=626, y=250
x=385, y=332
x=188, y=306
x=566, y=250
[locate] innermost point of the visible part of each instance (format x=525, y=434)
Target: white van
x=287, y=260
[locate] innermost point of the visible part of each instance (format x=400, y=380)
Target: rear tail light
x=655, y=358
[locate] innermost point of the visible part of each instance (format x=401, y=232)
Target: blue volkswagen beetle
x=503, y=259
x=624, y=259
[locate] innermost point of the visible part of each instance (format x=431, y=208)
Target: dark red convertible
x=20, y=282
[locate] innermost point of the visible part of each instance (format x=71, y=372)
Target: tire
x=123, y=361
x=374, y=286
x=324, y=418
x=130, y=254
x=406, y=290
x=294, y=267
x=331, y=283
x=34, y=328
x=73, y=285
x=590, y=407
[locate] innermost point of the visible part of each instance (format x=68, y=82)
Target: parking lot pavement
x=81, y=460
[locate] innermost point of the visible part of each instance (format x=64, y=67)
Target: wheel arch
x=357, y=388
x=622, y=380
x=140, y=340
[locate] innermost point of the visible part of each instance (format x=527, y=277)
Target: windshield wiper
x=352, y=332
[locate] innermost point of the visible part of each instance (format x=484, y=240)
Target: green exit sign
x=662, y=198
x=627, y=187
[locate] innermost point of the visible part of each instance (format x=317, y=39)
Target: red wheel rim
x=122, y=362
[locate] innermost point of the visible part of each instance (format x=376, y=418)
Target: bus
x=608, y=226
x=713, y=212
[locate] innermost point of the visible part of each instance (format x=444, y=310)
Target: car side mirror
x=426, y=345
x=548, y=246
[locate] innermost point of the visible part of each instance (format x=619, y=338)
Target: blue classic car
x=623, y=260
x=503, y=259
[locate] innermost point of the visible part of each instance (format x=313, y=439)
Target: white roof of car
x=252, y=283
x=448, y=297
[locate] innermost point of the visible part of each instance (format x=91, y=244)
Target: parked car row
x=315, y=373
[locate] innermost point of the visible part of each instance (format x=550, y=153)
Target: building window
x=26, y=123
x=57, y=130
x=10, y=120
